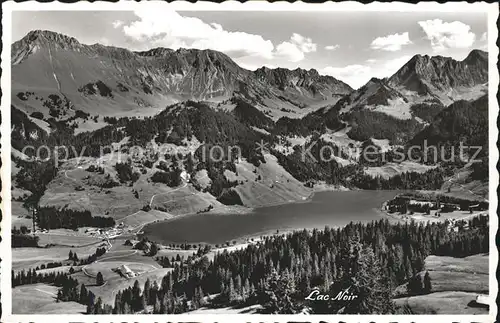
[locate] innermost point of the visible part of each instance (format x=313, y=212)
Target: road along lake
x=333, y=209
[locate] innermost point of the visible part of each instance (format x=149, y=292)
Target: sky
x=351, y=46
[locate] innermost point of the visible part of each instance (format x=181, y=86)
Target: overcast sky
x=351, y=46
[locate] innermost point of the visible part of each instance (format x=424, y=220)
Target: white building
x=127, y=272
x=483, y=300
x=185, y=176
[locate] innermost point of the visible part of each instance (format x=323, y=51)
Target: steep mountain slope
x=443, y=78
x=301, y=87
x=57, y=81
x=462, y=120
x=463, y=123
x=105, y=80
x=423, y=80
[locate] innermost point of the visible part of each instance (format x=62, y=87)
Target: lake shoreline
x=330, y=207
x=240, y=209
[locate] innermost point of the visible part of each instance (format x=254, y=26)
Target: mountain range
x=65, y=92
x=113, y=81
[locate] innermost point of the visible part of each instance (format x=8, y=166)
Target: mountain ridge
x=423, y=80
x=441, y=72
x=157, y=77
x=116, y=81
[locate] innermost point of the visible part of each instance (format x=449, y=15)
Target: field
x=40, y=298
x=61, y=269
x=140, y=218
x=442, y=303
x=183, y=200
x=469, y=274
x=25, y=258
x=114, y=282
x=456, y=282
x=30, y=299
x=76, y=188
x=18, y=221
x=462, y=186
x=275, y=186
x=164, y=252
x=392, y=169
x=20, y=215
x=66, y=238
x=169, y=253
x=396, y=108
x=476, y=264
x=227, y=310
x=145, y=267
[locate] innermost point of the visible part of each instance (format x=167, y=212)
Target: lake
x=324, y=208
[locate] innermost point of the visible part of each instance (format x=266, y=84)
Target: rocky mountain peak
x=37, y=40
x=46, y=37
x=284, y=78
x=156, y=52
x=422, y=72
x=477, y=56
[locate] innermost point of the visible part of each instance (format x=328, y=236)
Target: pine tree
x=427, y=283
x=153, y=295
x=279, y=290
x=163, y=305
x=136, y=297
x=195, y=300
x=153, y=249
x=238, y=285
x=201, y=296
x=147, y=291
x=247, y=289
x=90, y=304
x=99, y=279
x=127, y=309
x=117, y=309
x=98, y=308
x=231, y=291
x=370, y=285
x=157, y=307
x=83, y=294
x=144, y=304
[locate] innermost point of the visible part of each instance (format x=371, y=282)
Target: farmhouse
x=483, y=300
x=126, y=272
x=479, y=207
x=422, y=203
x=185, y=176
x=449, y=207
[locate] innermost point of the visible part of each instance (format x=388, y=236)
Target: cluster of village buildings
x=404, y=204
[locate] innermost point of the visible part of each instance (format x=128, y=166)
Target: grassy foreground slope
x=40, y=298
x=456, y=282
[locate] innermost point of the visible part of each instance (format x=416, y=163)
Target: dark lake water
x=325, y=208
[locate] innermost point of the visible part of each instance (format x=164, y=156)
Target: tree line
x=54, y=218
x=278, y=272
x=31, y=276
x=371, y=258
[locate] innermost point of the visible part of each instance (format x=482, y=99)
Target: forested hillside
x=279, y=272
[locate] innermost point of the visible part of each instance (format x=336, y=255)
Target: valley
x=186, y=183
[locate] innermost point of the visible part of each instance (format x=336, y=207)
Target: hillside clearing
x=25, y=258
x=392, y=169
x=40, y=298
x=456, y=282
x=116, y=283
x=442, y=303
x=227, y=310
